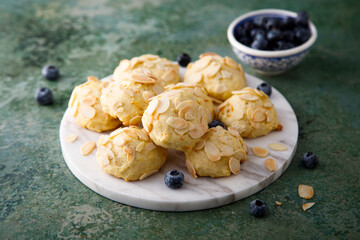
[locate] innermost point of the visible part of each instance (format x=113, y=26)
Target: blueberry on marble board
x=183, y=59
x=216, y=123
x=258, y=208
x=265, y=87
x=174, y=179
x=50, y=72
x=309, y=160
x=44, y=96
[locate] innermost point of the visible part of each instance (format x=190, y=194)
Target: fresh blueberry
x=258, y=208
x=174, y=179
x=302, y=35
x=259, y=43
x=44, y=96
x=260, y=21
x=50, y=72
x=288, y=23
x=302, y=18
x=274, y=35
x=265, y=87
x=309, y=160
x=283, y=45
x=257, y=31
x=216, y=123
x=248, y=26
x=245, y=40
x=240, y=32
x=183, y=59
x=272, y=23
x=288, y=35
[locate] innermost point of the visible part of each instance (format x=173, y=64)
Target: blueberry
x=265, y=87
x=50, y=72
x=245, y=40
x=288, y=35
x=288, y=23
x=302, y=35
x=257, y=31
x=216, y=123
x=248, y=26
x=272, y=23
x=44, y=96
x=183, y=59
x=260, y=21
x=240, y=32
x=274, y=35
x=174, y=179
x=309, y=160
x=258, y=208
x=302, y=18
x=283, y=45
x=259, y=43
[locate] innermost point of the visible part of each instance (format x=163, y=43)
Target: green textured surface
x=41, y=199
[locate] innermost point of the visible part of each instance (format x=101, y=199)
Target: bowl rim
x=260, y=53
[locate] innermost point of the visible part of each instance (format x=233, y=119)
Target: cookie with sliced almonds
x=129, y=153
x=85, y=106
x=128, y=98
x=218, y=75
x=250, y=112
x=176, y=119
x=218, y=154
x=163, y=69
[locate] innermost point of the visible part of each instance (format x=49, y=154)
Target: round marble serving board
x=196, y=194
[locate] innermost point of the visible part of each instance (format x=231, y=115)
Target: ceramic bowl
x=269, y=62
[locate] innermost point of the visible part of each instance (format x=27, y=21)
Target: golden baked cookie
x=130, y=154
x=86, y=108
x=176, y=119
x=250, y=112
x=166, y=71
x=218, y=154
x=198, y=91
x=218, y=75
x=128, y=98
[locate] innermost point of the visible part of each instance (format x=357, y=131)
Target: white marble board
x=196, y=194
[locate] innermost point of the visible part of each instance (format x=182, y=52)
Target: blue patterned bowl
x=269, y=62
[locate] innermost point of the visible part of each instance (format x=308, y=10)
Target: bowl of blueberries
x=272, y=41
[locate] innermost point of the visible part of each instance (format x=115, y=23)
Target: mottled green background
x=41, y=199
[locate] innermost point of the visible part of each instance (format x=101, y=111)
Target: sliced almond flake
x=147, y=95
x=255, y=125
x=227, y=151
x=189, y=116
x=212, y=69
x=177, y=101
x=150, y=56
x=208, y=54
x=248, y=97
x=84, y=91
x=103, y=139
x=87, y=148
x=89, y=101
x=148, y=64
x=198, y=131
x=221, y=88
x=200, y=145
x=143, y=135
x=306, y=206
x=135, y=120
x=269, y=117
x=119, y=141
x=182, y=131
x=183, y=111
x=209, y=115
x=130, y=132
x=194, y=78
x=231, y=63
x=150, y=146
x=170, y=75
x=187, y=103
x=224, y=139
x=277, y=147
x=108, y=152
x=134, y=62
x=240, y=154
x=270, y=164
x=103, y=157
x=226, y=74
x=140, y=147
x=234, y=165
x=260, y=152
x=278, y=203
x=258, y=92
x=147, y=174
x=176, y=122
x=191, y=168
x=158, y=89
x=104, y=84
x=142, y=78
x=131, y=157
x=199, y=92
x=123, y=66
x=119, y=109
x=305, y=191
x=204, y=120
x=116, y=132
x=212, y=152
x=92, y=79
x=268, y=104
x=245, y=147
x=71, y=138
x=127, y=149
x=87, y=111
x=152, y=106
x=258, y=115
x=202, y=63
x=233, y=132
x=72, y=99
x=163, y=106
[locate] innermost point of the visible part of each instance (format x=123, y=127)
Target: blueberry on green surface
x=174, y=179
x=183, y=59
x=258, y=208
x=44, y=96
x=309, y=160
x=50, y=72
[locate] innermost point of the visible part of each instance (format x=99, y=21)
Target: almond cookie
x=128, y=98
x=198, y=91
x=176, y=119
x=250, y=112
x=86, y=108
x=218, y=154
x=166, y=71
x=130, y=154
x=218, y=75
